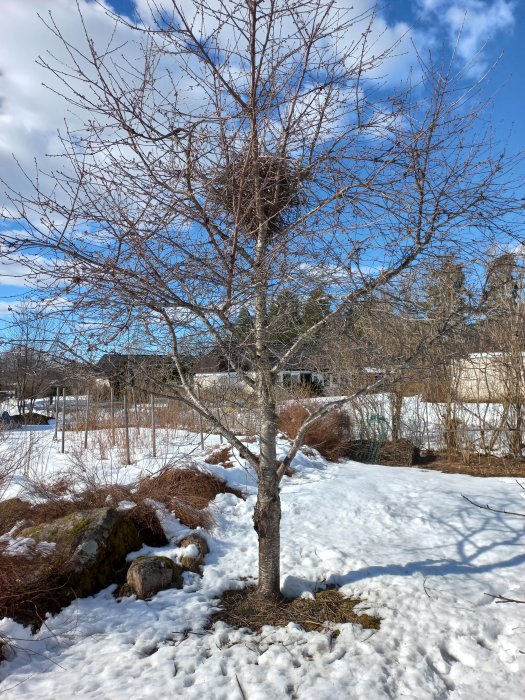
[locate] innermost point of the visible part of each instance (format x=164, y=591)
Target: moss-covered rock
x=92, y=546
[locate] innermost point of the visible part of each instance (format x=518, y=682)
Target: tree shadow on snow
x=476, y=550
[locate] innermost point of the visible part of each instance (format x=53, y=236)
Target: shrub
x=187, y=492
x=329, y=435
x=30, y=586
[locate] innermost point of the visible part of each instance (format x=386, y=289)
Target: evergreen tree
x=285, y=317
x=447, y=301
x=244, y=323
x=501, y=286
x=316, y=307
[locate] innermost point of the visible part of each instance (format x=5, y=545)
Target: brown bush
x=30, y=586
x=187, y=492
x=291, y=417
x=5, y=648
x=328, y=435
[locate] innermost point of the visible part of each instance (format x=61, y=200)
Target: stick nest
x=276, y=179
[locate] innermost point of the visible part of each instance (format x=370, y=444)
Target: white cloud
x=469, y=24
x=30, y=113
x=6, y=309
x=19, y=274
x=14, y=274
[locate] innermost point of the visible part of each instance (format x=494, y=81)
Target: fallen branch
x=503, y=599
x=491, y=509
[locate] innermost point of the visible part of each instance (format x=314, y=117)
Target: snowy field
x=402, y=539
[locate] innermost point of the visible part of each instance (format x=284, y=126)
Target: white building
x=488, y=377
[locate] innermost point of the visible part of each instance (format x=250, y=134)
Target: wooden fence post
x=63, y=436
x=153, y=427
x=112, y=412
x=77, y=409
x=126, y=428
x=87, y=422
x=201, y=429
x=57, y=400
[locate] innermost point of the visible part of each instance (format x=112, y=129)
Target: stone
x=93, y=544
x=149, y=575
x=196, y=549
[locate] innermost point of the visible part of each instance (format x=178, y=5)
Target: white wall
x=486, y=377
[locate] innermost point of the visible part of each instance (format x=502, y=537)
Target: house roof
x=215, y=360
x=115, y=362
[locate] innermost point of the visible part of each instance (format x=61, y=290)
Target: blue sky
x=30, y=115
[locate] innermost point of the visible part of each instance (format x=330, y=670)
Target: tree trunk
x=515, y=436
x=396, y=402
x=267, y=515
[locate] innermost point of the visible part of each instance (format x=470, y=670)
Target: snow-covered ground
x=402, y=539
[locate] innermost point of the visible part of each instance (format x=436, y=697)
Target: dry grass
x=479, y=465
x=175, y=414
x=31, y=586
x=243, y=608
x=328, y=435
x=5, y=648
x=187, y=492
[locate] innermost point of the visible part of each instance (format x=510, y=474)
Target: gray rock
x=92, y=545
x=149, y=575
x=192, y=563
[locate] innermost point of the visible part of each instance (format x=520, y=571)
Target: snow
x=13, y=545
x=402, y=539
x=191, y=551
x=126, y=505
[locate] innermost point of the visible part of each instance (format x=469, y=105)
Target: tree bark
x=397, y=407
x=267, y=515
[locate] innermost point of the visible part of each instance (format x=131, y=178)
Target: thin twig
x=492, y=510
x=503, y=599
x=240, y=687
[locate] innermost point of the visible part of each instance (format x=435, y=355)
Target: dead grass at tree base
x=243, y=608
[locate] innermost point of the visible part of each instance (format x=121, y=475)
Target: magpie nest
x=278, y=179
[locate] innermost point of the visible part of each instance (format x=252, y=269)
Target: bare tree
x=252, y=150
x=28, y=366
